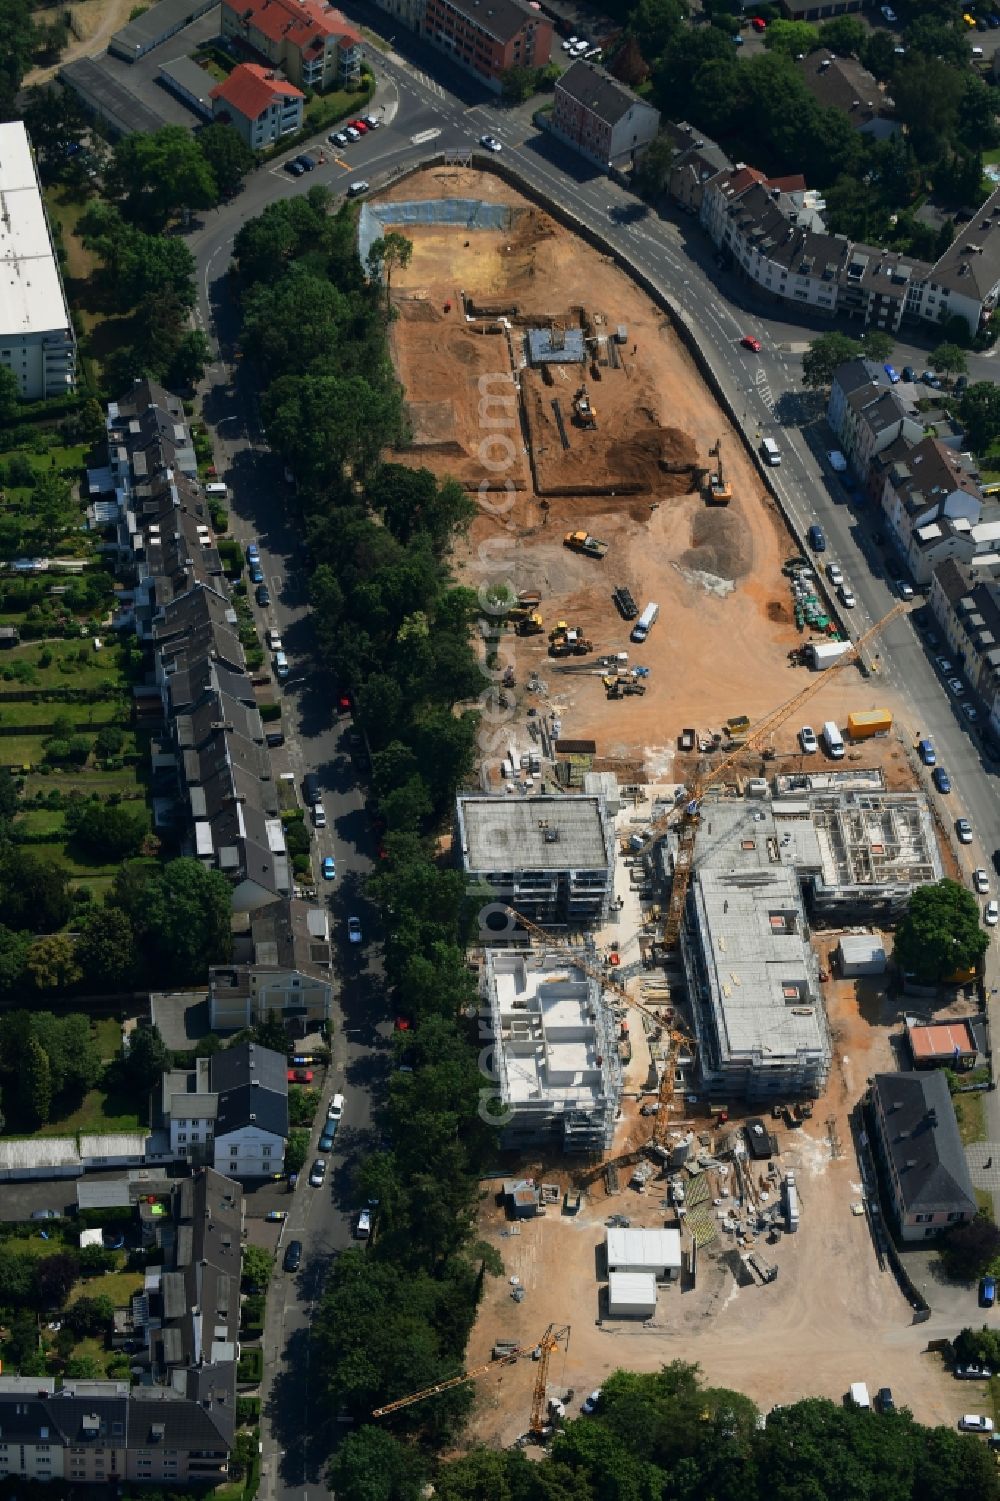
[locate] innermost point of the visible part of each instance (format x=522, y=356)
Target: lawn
x=67, y=210
x=33, y=1245
x=971, y=1115
x=84, y=716
x=100, y=1112
x=120, y=1287
x=53, y=458
x=41, y=821
x=108, y=1036
x=67, y=666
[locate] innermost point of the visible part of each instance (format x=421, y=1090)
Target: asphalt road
x=422, y=112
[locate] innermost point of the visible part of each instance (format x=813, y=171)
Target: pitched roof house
x=916, y=1136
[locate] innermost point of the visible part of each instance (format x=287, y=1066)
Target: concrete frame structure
x=37, y=343
x=555, y=1052
x=551, y=858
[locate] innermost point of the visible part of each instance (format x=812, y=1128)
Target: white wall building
x=230, y=1111
x=631, y=1295
x=37, y=343
x=657, y=1252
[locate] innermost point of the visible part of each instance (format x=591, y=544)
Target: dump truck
x=864, y=723
x=585, y=543
x=583, y=413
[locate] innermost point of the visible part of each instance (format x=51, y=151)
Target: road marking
x=424, y=135
x=346, y=166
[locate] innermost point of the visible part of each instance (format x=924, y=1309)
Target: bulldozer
x=570, y=643
x=583, y=412
x=719, y=492
x=527, y=622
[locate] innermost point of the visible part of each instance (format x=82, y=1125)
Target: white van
x=833, y=740
x=645, y=623
x=771, y=451
x=216, y=490
x=859, y=1395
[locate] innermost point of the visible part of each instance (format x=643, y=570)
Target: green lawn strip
x=124, y=781
x=84, y=716
x=60, y=457
x=100, y=1113
x=67, y=668
x=33, y=1245
x=67, y=209
x=971, y=1116
x=38, y=821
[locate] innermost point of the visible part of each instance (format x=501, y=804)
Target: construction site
x=677, y=1043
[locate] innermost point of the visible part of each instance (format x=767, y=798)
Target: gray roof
x=971, y=264
x=157, y=23
x=537, y=833
x=502, y=19
x=921, y=1137
x=98, y=87
x=844, y=84
x=252, y=1085
x=598, y=92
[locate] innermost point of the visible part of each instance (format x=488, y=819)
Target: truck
x=823, y=654
x=585, y=543
x=791, y=1195
x=645, y=623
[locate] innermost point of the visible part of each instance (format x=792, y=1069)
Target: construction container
x=864, y=723
x=631, y=1295
x=823, y=654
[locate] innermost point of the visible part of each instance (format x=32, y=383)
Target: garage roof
x=43, y=1151
x=632, y=1287
x=652, y=1248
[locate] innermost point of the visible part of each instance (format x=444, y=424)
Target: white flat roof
x=39, y=1151
x=632, y=1287
x=115, y=1144
x=31, y=295
x=652, y=1248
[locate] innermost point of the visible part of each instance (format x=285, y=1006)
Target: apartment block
x=601, y=118
x=259, y=105
x=312, y=43
x=37, y=342
x=916, y=1137
x=230, y=1110
x=551, y=858
x=555, y=1053
x=488, y=37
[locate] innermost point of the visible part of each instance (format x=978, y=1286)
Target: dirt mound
x=662, y=459
x=721, y=544
x=416, y=309
x=778, y=612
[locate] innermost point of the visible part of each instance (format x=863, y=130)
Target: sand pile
x=721, y=544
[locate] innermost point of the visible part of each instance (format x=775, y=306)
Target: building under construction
x=760, y=863
x=555, y=1052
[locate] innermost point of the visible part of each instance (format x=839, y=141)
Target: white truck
x=791, y=1203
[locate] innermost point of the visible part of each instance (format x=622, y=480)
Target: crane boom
x=548, y=1342
x=758, y=733
x=444, y=1386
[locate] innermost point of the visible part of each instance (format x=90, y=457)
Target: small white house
x=657, y=1252
x=861, y=954
x=631, y=1295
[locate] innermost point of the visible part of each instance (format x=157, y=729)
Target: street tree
x=227, y=154
x=949, y=359
x=791, y=38
x=825, y=355
x=392, y=250
x=844, y=35
x=256, y=1268
x=941, y=933
x=979, y=409
x=52, y=962
x=876, y=345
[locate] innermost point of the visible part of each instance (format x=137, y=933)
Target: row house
x=282, y=958
x=868, y=415
x=967, y=610
x=488, y=37
x=601, y=118
x=230, y=1110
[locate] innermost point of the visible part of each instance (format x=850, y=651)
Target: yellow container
x=868, y=722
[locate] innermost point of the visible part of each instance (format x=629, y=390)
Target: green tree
x=52, y=962
x=83, y=1368
x=652, y=173
x=188, y=360
x=372, y=1465
x=792, y=38
x=256, y=1268
x=979, y=409
x=948, y=359
x=825, y=355
x=295, y=1151
x=228, y=156
x=656, y=24
x=35, y=1083
x=180, y=915
x=53, y=508
x=54, y=120
x=518, y=84
x=159, y=173
x=14, y=948
x=108, y=831
x=928, y=92
x=105, y=949
x=941, y=933
x=844, y=35
x=90, y=1316
x=17, y=39
x=147, y=1058
x=876, y=345
x=385, y=254
x=34, y=893
x=10, y=394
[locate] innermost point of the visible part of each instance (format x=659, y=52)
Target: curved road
x=421, y=114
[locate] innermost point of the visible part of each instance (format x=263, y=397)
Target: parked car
x=294, y=168
x=888, y=14
x=963, y=829
x=300, y=1076
x=847, y=598
x=987, y=1292
x=308, y=162
x=357, y=188
x=892, y=373
x=817, y=538
x=956, y=686
x=318, y=1172
x=253, y=553
x=980, y=881
x=961, y=385
x=758, y=24
x=327, y=1136
x=945, y=666
x=363, y=1228
x=45, y=1214
x=942, y=780
x=835, y=574
x=281, y=667
x=975, y=1422
x=991, y=914
x=932, y=380
x=591, y=1403
x=256, y=572
x=354, y=930
x=263, y=596
x=807, y=739
x=335, y=1109
x=883, y=1400
x=293, y=1256
x=338, y=138
x=351, y=133
x=969, y=710
x=972, y=1372
x=329, y=868
x=927, y=752
x=372, y=121
x=274, y=640
x=907, y=372
x=904, y=589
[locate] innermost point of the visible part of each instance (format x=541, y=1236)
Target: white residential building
x=230, y=1111
x=934, y=509
x=37, y=343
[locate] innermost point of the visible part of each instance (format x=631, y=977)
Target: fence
x=469, y=213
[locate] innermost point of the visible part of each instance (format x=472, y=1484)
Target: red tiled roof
x=249, y=90
x=303, y=22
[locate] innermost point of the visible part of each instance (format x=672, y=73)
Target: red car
x=749, y=342
x=360, y=125
x=402, y=1024
x=758, y=24
x=300, y=1076
x=344, y=703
